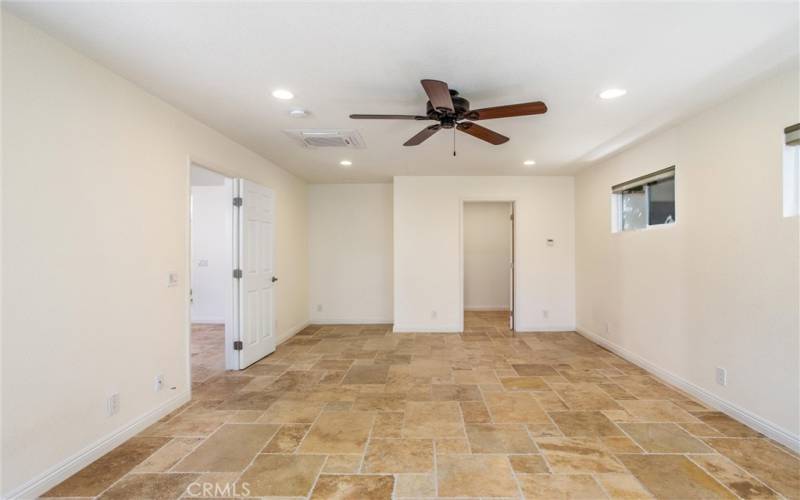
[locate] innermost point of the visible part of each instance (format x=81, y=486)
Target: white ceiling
x=220, y=61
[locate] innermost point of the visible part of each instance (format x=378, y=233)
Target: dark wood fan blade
x=389, y=117
x=423, y=135
x=524, y=109
x=482, y=133
x=438, y=94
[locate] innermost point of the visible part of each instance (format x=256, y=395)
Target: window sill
x=656, y=227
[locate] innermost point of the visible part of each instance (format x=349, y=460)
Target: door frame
x=231, y=332
x=514, y=281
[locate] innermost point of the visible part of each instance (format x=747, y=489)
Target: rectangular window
x=645, y=201
x=791, y=171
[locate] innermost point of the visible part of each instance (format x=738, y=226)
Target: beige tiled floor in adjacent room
x=208, y=351
x=359, y=412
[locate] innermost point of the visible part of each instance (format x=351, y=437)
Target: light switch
x=172, y=280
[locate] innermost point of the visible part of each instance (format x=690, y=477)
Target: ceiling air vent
x=327, y=138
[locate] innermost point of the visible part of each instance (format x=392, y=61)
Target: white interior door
x=256, y=244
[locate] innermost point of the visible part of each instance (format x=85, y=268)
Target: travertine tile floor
x=208, y=351
x=358, y=412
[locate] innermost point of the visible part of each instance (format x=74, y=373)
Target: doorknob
x=274, y=279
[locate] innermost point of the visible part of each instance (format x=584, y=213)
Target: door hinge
x=237, y=201
x=237, y=273
x=237, y=345
x=511, y=217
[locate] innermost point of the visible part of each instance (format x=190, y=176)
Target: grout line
x=516, y=478
x=297, y=449
x=600, y=485
x=435, y=468
x=200, y=442
x=366, y=445
x=739, y=469
x=635, y=442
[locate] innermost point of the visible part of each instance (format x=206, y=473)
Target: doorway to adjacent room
x=488, y=260
x=232, y=273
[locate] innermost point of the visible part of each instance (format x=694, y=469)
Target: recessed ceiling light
x=612, y=93
x=298, y=113
x=282, y=94
x=529, y=162
x=345, y=163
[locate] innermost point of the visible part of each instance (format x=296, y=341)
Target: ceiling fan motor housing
x=448, y=119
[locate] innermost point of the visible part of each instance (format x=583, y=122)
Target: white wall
x=720, y=287
x=211, y=250
x=427, y=241
x=95, y=208
x=350, y=253
x=487, y=256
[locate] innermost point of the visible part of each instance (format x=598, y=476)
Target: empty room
x=388, y=250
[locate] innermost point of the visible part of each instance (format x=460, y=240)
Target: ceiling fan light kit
x=452, y=111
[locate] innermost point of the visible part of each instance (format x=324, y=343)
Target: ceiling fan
x=452, y=111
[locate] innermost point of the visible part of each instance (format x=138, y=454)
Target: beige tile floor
x=208, y=351
x=358, y=412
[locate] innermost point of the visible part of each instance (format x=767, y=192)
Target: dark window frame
x=643, y=185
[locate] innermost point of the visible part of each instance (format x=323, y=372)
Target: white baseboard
x=351, y=321
x=427, y=328
x=543, y=329
x=291, y=332
x=59, y=472
x=208, y=320
x=503, y=308
x=745, y=416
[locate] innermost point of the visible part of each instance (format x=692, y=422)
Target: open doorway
x=488, y=259
x=232, y=224
x=212, y=284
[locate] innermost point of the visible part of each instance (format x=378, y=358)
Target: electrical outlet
x=112, y=404
x=159, y=382
x=434, y=314
x=722, y=376
x=545, y=313
x=319, y=308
